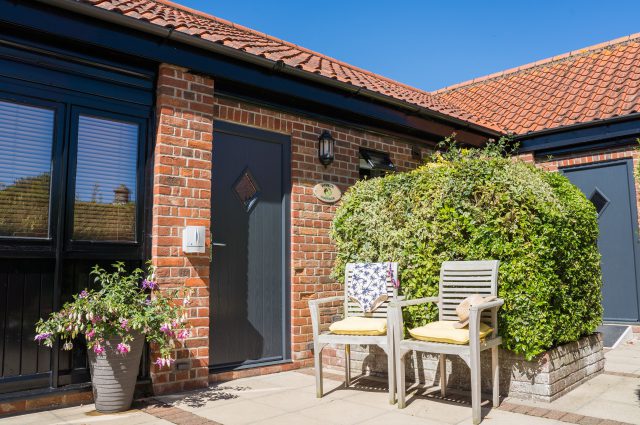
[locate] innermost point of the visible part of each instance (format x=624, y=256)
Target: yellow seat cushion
x=444, y=331
x=354, y=325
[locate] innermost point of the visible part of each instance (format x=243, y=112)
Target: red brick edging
x=558, y=415
x=52, y=400
x=171, y=413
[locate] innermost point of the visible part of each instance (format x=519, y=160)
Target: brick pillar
x=182, y=197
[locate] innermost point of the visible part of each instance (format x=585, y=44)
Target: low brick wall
x=545, y=378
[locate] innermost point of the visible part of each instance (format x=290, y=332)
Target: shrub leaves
x=474, y=205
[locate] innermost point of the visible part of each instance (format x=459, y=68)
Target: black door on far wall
x=250, y=232
x=610, y=186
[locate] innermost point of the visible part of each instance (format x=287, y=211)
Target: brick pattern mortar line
x=572, y=418
x=172, y=414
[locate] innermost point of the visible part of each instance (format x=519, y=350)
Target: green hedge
x=473, y=205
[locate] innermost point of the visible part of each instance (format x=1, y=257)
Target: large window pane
x=105, y=203
x=26, y=138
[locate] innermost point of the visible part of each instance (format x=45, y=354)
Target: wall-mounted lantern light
x=326, y=148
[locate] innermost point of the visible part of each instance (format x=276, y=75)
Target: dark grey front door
x=611, y=188
x=249, y=291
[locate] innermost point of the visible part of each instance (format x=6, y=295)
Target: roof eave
x=577, y=126
x=169, y=33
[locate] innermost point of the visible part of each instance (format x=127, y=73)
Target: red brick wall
x=186, y=111
x=181, y=197
x=312, y=254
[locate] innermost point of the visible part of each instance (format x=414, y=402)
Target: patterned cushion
x=444, y=331
x=368, y=286
x=354, y=325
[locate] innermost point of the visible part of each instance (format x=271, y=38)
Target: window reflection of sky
x=26, y=137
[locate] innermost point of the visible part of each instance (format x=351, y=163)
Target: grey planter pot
x=113, y=375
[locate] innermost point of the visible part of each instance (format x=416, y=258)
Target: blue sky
x=431, y=44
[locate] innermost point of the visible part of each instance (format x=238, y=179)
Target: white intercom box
x=193, y=239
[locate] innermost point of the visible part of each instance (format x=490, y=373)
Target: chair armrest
x=326, y=300
x=417, y=301
x=314, y=311
x=485, y=306
x=476, y=311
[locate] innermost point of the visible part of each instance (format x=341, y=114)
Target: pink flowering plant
x=125, y=305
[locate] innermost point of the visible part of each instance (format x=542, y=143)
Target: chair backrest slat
x=352, y=308
x=460, y=279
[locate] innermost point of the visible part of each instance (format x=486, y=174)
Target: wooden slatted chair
x=458, y=280
x=352, y=309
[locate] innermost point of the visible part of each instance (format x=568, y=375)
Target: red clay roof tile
x=593, y=83
x=596, y=82
x=198, y=24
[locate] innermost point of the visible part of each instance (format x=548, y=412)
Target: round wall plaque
x=327, y=192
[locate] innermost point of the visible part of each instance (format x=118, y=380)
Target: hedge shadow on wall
x=469, y=204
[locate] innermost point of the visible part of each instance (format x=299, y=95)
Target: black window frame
x=374, y=171
x=130, y=248
x=42, y=245
x=59, y=242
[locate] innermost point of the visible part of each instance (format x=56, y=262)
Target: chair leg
x=443, y=375
x=317, y=357
x=347, y=365
x=495, y=376
x=391, y=373
x=401, y=379
x=476, y=401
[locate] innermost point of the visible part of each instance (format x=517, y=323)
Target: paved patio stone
x=220, y=394
x=607, y=409
x=286, y=380
x=81, y=415
x=240, y=413
x=287, y=398
x=396, y=418
x=369, y=398
x=30, y=419
x=342, y=412
x=627, y=390
x=625, y=358
x=295, y=400
x=290, y=419
x=623, y=366
x=444, y=413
